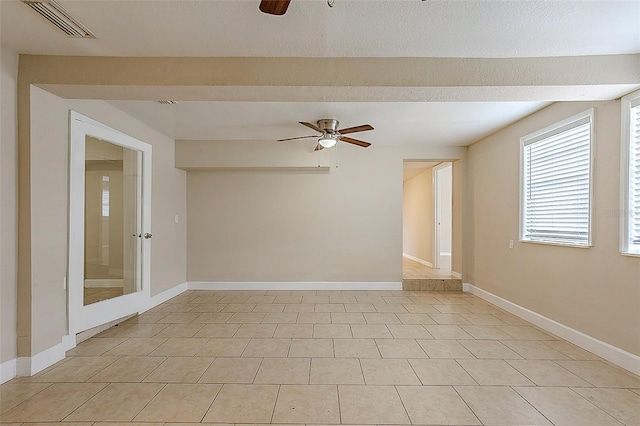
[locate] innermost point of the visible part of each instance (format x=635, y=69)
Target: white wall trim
x=417, y=259
x=106, y=283
x=455, y=274
x=605, y=350
x=166, y=295
x=28, y=366
x=8, y=370
x=220, y=285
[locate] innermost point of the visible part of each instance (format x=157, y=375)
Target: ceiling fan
x=279, y=7
x=274, y=7
x=331, y=134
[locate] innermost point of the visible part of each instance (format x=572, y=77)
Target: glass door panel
x=112, y=218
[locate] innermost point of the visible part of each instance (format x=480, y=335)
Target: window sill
x=550, y=243
x=629, y=254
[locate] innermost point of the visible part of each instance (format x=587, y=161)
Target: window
x=630, y=217
x=556, y=165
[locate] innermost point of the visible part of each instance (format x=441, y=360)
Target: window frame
x=626, y=103
x=542, y=134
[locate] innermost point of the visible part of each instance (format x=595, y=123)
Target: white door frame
x=83, y=317
x=436, y=214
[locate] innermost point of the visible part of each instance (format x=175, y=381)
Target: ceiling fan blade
x=274, y=7
x=355, y=141
x=299, y=137
x=319, y=147
x=355, y=129
x=311, y=126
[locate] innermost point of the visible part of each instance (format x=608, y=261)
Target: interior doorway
x=428, y=225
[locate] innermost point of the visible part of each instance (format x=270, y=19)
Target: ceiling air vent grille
x=59, y=17
x=167, y=102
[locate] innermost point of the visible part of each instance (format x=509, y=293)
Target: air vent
x=59, y=17
x=167, y=102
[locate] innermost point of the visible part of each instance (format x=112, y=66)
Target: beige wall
x=417, y=216
x=8, y=198
x=342, y=225
x=48, y=217
x=595, y=290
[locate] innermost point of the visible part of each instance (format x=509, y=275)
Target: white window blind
x=556, y=183
x=633, y=213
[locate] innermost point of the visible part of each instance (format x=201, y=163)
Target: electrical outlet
x=511, y=244
x=64, y=283
x=176, y=219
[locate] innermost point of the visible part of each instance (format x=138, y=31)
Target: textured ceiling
x=395, y=123
x=352, y=28
x=360, y=28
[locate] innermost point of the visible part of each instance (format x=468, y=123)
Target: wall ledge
x=611, y=353
x=247, y=285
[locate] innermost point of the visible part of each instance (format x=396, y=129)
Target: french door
x=109, y=224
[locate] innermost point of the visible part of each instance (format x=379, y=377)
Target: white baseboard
x=604, y=350
x=417, y=259
x=28, y=366
x=8, y=370
x=103, y=283
x=217, y=285
x=167, y=294
x=455, y=274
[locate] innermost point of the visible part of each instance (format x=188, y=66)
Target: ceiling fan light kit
x=328, y=141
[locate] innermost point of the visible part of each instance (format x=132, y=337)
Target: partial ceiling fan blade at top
x=274, y=7
x=355, y=141
x=362, y=128
x=299, y=137
x=311, y=126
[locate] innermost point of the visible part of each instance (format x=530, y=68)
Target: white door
x=109, y=224
x=443, y=204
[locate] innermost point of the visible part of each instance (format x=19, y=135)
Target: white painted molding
x=8, y=370
x=166, y=295
x=218, y=285
x=455, y=274
x=28, y=366
x=417, y=259
x=104, y=283
x=604, y=350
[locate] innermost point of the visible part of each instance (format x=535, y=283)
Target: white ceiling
x=352, y=28
x=433, y=123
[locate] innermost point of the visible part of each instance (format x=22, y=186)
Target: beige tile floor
x=412, y=270
x=325, y=357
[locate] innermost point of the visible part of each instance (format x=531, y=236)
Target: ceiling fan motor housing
x=329, y=126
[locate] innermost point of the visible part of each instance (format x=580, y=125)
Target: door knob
x=148, y=235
